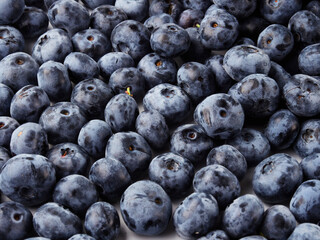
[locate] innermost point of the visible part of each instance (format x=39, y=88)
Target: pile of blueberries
x=143, y=104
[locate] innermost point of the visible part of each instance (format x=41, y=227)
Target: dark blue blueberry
x=121, y=112
x=102, y=221
x=53, y=78
x=252, y=144
x=276, y=41
x=204, y=217
x=215, y=235
x=190, y=18
x=157, y=70
x=305, y=203
x=106, y=17
x=92, y=96
x=282, y=129
x=311, y=166
x=18, y=70
x=92, y=4
x=305, y=231
x=10, y=11
x=252, y=26
x=28, y=179
x=69, y=15
x=11, y=40
x=53, y=221
x=110, y=177
x=76, y=193
x=229, y=157
x=171, y=7
x=29, y=138
x=91, y=42
x=191, y=142
x=81, y=66
x=81, y=236
x=172, y=172
x=68, y=158
x=33, y=22
x=170, y=40
x=276, y=178
x=240, y=9
x=131, y=149
x=278, y=223
x=146, y=208
x=279, y=74
x=314, y=6
x=200, y=5
x=62, y=122
x=243, y=60
x=15, y=221
x=170, y=101
x=131, y=37
x=220, y=115
x=28, y=104
x=54, y=44
x=37, y=238
x=302, y=95
x=219, y=182
x=7, y=126
x=155, y=21
x=4, y=156
x=245, y=41
x=136, y=10
x=309, y=60
x=93, y=137
x=6, y=95
x=258, y=95
x=243, y=216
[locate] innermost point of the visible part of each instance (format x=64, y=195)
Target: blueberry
x=7, y=126
x=81, y=236
x=11, y=40
x=204, y=217
x=305, y=231
x=155, y=21
x=311, y=166
x=190, y=18
x=4, y=156
x=244, y=41
x=308, y=60
x=53, y=221
x=171, y=7
x=146, y=208
x=200, y=5
x=92, y=4
x=279, y=74
x=215, y=235
x=314, y=6
x=253, y=237
x=252, y=26
x=6, y=95
x=37, y=238
x=28, y=179
x=102, y=221
x=136, y=10
x=35, y=3
x=240, y=9
x=11, y=11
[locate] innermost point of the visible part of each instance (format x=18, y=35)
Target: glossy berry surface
x=311, y=166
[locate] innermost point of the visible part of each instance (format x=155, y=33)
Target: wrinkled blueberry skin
x=106, y=17
x=91, y=42
x=152, y=126
x=305, y=203
x=229, y=157
x=81, y=66
x=215, y=235
x=7, y=126
x=112, y=61
x=243, y=60
x=218, y=30
x=190, y=18
x=11, y=11
x=29, y=138
x=279, y=11
x=131, y=149
x=15, y=220
x=4, y=156
x=11, y=40
x=305, y=231
x=220, y=115
x=219, y=182
x=28, y=104
x=314, y=6
x=121, y=113
x=311, y=166
x=170, y=101
x=33, y=22
x=53, y=221
x=172, y=172
x=191, y=142
x=239, y=9
x=54, y=45
x=28, y=179
x=102, y=221
x=110, y=177
x=67, y=159
x=131, y=37
x=276, y=178
x=204, y=217
x=172, y=7
x=81, y=237
x=53, y=78
x=69, y=15
x=136, y=10
x=277, y=41
x=196, y=80
x=243, y=216
x=6, y=95
x=279, y=74
x=252, y=144
x=282, y=129
x=258, y=95
x=93, y=137
x=146, y=208
x=309, y=60
x=75, y=192
x=222, y=79
x=92, y=4
x=302, y=95
x=155, y=21
x=157, y=70
x=92, y=96
x=278, y=223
